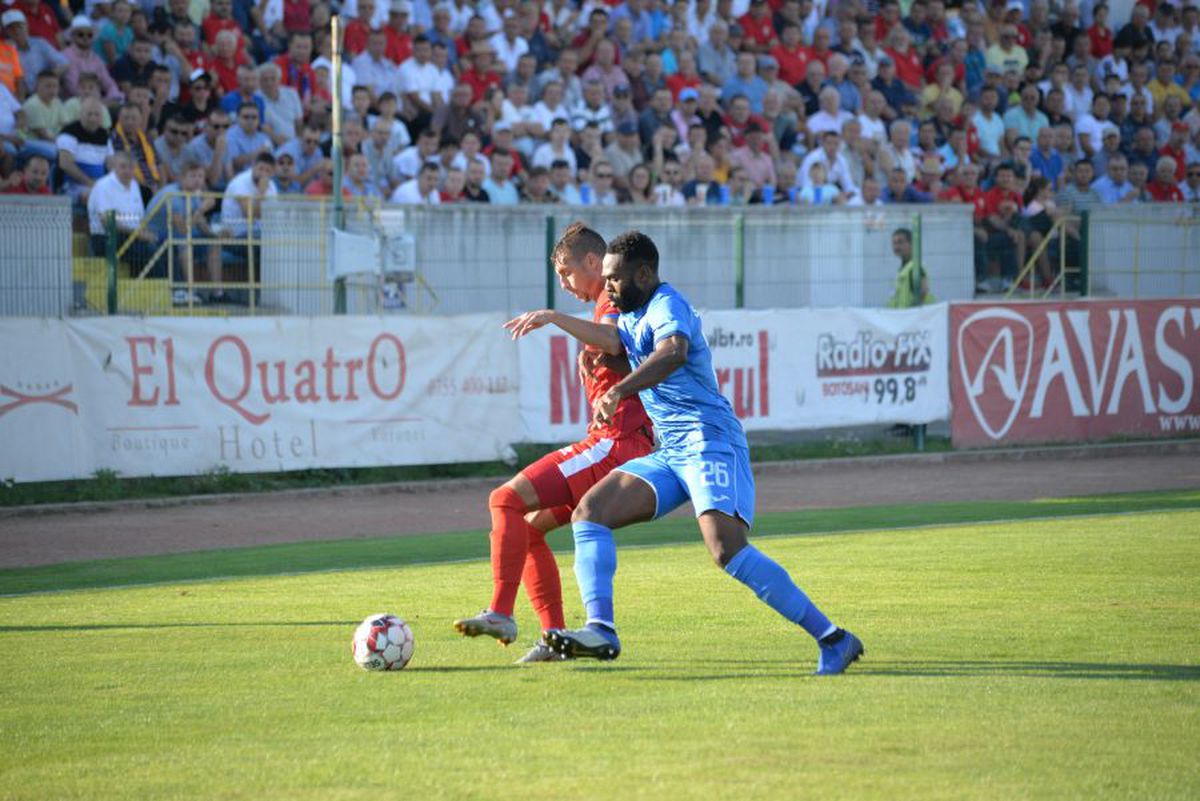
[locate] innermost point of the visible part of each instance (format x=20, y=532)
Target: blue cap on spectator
x=627, y=128
x=689, y=94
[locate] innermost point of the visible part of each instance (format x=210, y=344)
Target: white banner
x=779, y=369
x=166, y=396
x=182, y=396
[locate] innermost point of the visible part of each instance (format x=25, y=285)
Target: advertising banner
x=168, y=396
x=779, y=369
x=1077, y=371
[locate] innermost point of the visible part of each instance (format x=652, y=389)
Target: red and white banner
x=173, y=397
x=779, y=369
x=1086, y=370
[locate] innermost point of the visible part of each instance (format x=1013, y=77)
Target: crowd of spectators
x=1023, y=109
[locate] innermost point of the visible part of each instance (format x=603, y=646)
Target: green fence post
x=739, y=261
x=1085, y=276
x=110, y=255
x=918, y=431
x=551, y=276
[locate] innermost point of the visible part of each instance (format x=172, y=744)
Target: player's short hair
x=576, y=242
x=636, y=250
x=904, y=232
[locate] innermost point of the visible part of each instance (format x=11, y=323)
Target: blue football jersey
x=687, y=409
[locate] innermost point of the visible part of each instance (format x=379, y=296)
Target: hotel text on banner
x=173, y=397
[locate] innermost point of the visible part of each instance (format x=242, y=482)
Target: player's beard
x=630, y=298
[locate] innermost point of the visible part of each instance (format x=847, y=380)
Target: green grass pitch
x=1037, y=659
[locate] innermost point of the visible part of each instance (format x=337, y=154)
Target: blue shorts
x=713, y=479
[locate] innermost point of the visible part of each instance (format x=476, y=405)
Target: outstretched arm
x=604, y=337
x=669, y=355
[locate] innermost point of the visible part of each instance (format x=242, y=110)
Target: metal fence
x=469, y=258
x=1144, y=251
x=475, y=258
x=35, y=257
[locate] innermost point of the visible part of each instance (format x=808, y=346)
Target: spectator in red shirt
x=1175, y=149
x=888, y=19
x=686, y=77
x=39, y=20
x=1100, y=36
x=1165, y=188
x=1005, y=250
x=221, y=19
x=226, y=60
x=758, y=29
x=354, y=41
x=791, y=54
x=820, y=50
x=296, y=66
x=595, y=32
x=966, y=190
x=399, y=40
x=905, y=57
x=739, y=118
x=35, y=178
x=480, y=76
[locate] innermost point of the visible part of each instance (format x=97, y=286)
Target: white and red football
x=382, y=642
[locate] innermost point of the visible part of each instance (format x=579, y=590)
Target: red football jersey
x=630, y=416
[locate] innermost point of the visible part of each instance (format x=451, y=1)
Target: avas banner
x=171, y=397
x=1085, y=370
x=779, y=369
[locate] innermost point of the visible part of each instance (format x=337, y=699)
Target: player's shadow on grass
x=1040, y=669
x=790, y=668
x=68, y=627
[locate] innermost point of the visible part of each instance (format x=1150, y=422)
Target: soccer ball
x=382, y=642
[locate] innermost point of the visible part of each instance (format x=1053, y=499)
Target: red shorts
x=563, y=477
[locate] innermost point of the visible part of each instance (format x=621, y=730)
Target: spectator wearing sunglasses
x=82, y=58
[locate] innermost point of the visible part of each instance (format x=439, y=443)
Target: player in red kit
x=540, y=498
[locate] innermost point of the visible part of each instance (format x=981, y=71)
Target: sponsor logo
x=32, y=394
x=865, y=354
x=1007, y=359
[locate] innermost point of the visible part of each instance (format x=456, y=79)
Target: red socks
x=510, y=544
x=542, y=582
x=520, y=554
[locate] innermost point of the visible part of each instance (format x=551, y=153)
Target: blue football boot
x=838, y=650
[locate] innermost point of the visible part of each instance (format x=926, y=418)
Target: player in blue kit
x=702, y=455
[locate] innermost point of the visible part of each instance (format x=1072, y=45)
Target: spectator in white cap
x=35, y=53
x=399, y=40
x=1110, y=147
x=323, y=69
x=82, y=58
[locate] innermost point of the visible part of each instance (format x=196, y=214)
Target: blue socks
x=774, y=587
x=595, y=566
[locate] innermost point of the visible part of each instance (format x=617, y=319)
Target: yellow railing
x=178, y=248
x=1058, y=232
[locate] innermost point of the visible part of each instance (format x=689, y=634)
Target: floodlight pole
x=335, y=92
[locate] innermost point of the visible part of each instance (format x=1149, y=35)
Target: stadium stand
x=1026, y=110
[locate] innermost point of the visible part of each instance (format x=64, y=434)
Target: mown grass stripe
x=325, y=555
